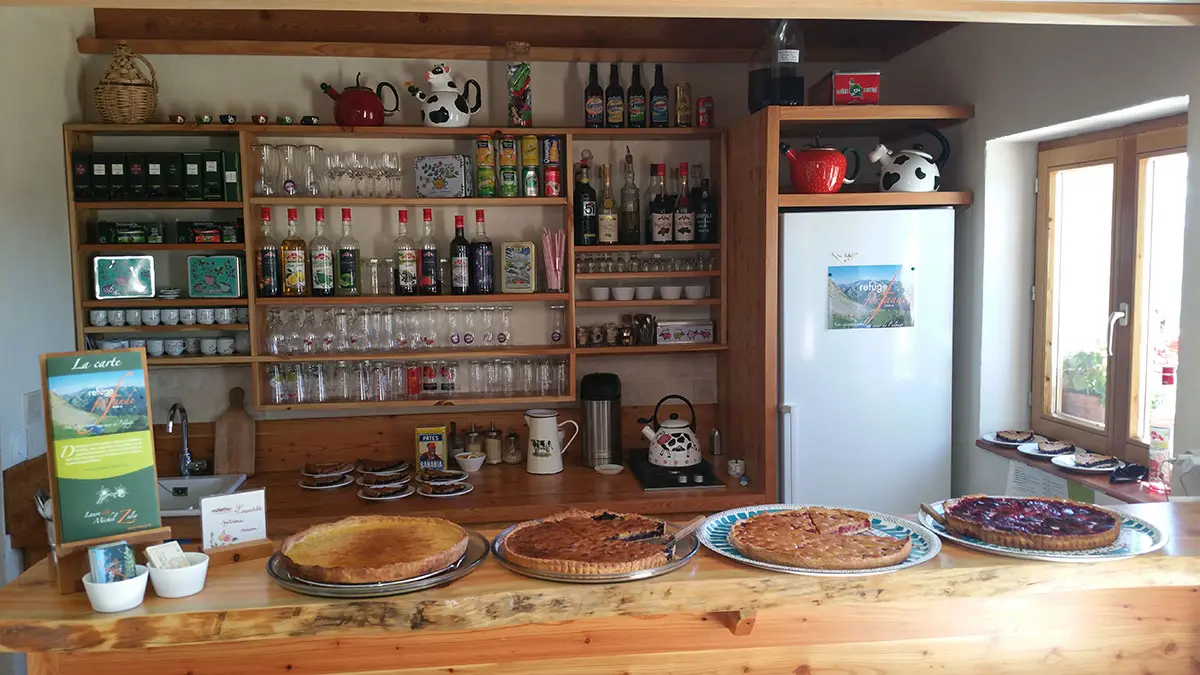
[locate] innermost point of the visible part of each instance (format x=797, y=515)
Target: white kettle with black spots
x=910, y=170
x=445, y=105
x=672, y=441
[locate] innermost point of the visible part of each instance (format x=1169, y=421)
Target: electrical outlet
x=16, y=450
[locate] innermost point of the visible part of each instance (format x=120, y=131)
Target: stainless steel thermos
x=600, y=397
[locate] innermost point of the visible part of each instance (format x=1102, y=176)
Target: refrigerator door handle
x=789, y=461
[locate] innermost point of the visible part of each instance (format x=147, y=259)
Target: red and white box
x=846, y=88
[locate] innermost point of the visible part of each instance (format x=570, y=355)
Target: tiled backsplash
x=644, y=380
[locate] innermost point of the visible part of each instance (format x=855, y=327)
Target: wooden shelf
x=495, y=298
x=184, y=361
x=153, y=248
x=647, y=275
x=187, y=128
x=113, y=206
x=1130, y=493
x=180, y=328
x=845, y=200
x=402, y=201
x=424, y=354
x=161, y=302
x=682, y=302
x=420, y=403
x=646, y=248
x=867, y=120
x=399, y=131
x=648, y=349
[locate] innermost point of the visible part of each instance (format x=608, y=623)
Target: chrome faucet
x=186, y=465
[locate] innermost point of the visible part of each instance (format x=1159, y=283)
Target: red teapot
x=819, y=169
x=360, y=106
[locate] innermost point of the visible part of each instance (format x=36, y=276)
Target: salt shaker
x=492, y=446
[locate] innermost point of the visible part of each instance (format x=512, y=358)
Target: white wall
x=1022, y=78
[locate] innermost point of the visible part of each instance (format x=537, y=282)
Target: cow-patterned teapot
x=911, y=170
x=673, y=443
x=445, y=105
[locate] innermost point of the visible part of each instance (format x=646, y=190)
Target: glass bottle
x=492, y=446
x=635, y=106
x=586, y=222
x=460, y=259
x=614, y=99
x=348, y=274
x=685, y=213
x=662, y=221
x=268, y=262
x=631, y=204
x=482, y=277
x=607, y=218
x=512, y=448
x=706, y=215
x=428, y=274
x=295, y=259
x=320, y=254
x=406, y=259
x=660, y=101
x=673, y=187
x=593, y=100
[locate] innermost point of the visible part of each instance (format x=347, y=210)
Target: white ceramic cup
x=154, y=347
x=133, y=317
x=151, y=317
x=116, y=317
x=191, y=345
x=208, y=346
x=623, y=293
x=187, y=316
x=225, y=346
x=170, y=317
x=670, y=292
x=137, y=344
x=117, y=596
x=206, y=316
x=226, y=315
x=644, y=293
x=241, y=343
x=113, y=344
x=599, y=293
x=243, y=314
x=696, y=292
x=737, y=467
x=98, y=317
x=183, y=581
x=174, y=347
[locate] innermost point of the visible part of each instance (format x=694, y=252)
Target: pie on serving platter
x=1038, y=523
x=588, y=542
x=370, y=549
x=817, y=537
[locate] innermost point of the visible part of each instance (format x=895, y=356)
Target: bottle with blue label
x=614, y=100
x=593, y=100
x=660, y=101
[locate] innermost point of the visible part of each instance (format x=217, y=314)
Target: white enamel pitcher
x=545, y=449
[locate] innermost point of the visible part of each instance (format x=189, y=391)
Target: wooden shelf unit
x=682, y=302
x=161, y=303
x=389, y=300
x=155, y=248
x=854, y=200
x=188, y=360
x=180, y=328
x=159, y=206
x=403, y=201
x=600, y=276
x=425, y=354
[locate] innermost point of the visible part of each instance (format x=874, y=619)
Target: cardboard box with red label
x=846, y=88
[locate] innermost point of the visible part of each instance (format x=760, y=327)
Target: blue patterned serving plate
x=925, y=545
x=1137, y=537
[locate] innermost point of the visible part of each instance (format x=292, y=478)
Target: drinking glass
x=448, y=380
x=559, y=375
x=309, y=339
x=491, y=375
x=622, y=264
x=339, y=381
x=356, y=168
x=396, y=380
x=526, y=376
x=294, y=374
x=392, y=171
x=268, y=169
x=476, y=379
x=399, y=328
x=429, y=329
x=291, y=329
x=335, y=171
x=314, y=382
x=370, y=276
x=453, y=336
x=504, y=333
x=387, y=330
x=545, y=378
x=381, y=387
x=508, y=376
x=276, y=340
x=312, y=165
x=470, y=323
x=489, y=332
x=328, y=336
x=276, y=387
x=387, y=276
x=360, y=340
x=413, y=320
x=360, y=380
x=341, y=326
x=556, y=324
x=289, y=174
x=429, y=378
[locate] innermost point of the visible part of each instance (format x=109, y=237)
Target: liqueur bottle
x=267, y=262
x=607, y=219
x=406, y=259
x=662, y=216
x=430, y=282
x=460, y=259
x=320, y=256
x=685, y=214
x=614, y=100
x=482, y=275
x=660, y=101
x=706, y=215
x=587, y=224
x=593, y=100
x=295, y=259
x=349, y=278
x=635, y=106
x=631, y=205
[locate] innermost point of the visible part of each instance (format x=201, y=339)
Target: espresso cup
x=226, y=315
x=116, y=317
x=154, y=347
x=98, y=317
x=206, y=316
x=133, y=317
x=170, y=317
x=225, y=346
x=173, y=347
x=208, y=346
x=191, y=345
x=187, y=316
x=151, y=317
x=137, y=344
x=243, y=314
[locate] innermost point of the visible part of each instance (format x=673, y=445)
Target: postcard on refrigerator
x=871, y=296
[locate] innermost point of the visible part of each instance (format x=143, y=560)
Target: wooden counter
x=964, y=612
x=1130, y=493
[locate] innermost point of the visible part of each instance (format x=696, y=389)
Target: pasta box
x=123, y=276
x=841, y=87
x=444, y=176
x=214, y=276
x=684, y=332
x=431, y=448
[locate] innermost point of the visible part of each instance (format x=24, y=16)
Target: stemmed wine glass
x=392, y=171
x=335, y=169
x=268, y=168
x=356, y=167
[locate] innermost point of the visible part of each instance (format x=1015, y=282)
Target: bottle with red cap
x=460, y=259
x=320, y=260
x=430, y=278
x=349, y=281
x=482, y=277
x=684, y=217
x=266, y=264
x=295, y=259
x=406, y=259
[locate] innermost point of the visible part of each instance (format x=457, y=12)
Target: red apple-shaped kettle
x=819, y=169
x=360, y=106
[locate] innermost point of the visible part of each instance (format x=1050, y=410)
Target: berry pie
x=588, y=542
x=1011, y=436
x=1055, y=447
x=1038, y=523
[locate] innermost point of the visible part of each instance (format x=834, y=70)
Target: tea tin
x=123, y=276
x=444, y=176
x=518, y=267
x=214, y=276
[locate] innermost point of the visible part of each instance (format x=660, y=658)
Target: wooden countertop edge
x=523, y=601
x=1130, y=493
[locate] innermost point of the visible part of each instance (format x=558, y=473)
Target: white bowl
x=670, y=292
x=468, y=464
x=694, y=292
x=609, y=469
x=624, y=293
x=117, y=596
x=644, y=293
x=599, y=293
x=181, y=582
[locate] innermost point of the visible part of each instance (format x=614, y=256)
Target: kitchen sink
x=181, y=496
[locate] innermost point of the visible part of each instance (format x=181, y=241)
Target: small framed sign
x=233, y=519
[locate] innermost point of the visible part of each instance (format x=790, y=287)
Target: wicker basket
x=124, y=95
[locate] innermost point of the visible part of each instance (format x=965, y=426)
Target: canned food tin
x=508, y=151
x=508, y=181
x=485, y=181
x=704, y=112
x=485, y=151
x=551, y=181
x=551, y=150
x=529, y=181
x=529, y=151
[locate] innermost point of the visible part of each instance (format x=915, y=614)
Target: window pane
x=1082, y=226
x=1162, y=195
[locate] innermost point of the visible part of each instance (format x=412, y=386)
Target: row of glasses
x=291, y=170
x=356, y=173
x=375, y=381
x=606, y=263
x=387, y=329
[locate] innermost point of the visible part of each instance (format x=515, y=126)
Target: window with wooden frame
x=1107, y=278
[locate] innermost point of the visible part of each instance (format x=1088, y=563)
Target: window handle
x=1120, y=316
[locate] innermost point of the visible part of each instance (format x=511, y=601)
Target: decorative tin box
x=685, y=332
x=444, y=176
x=123, y=276
x=842, y=87
x=518, y=267
x=215, y=276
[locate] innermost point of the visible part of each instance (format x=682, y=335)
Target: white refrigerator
x=866, y=317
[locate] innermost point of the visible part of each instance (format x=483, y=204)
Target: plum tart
x=1037, y=523
x=817, y=538
x=1055, y=447
x=588, y=542
x=1014, y=436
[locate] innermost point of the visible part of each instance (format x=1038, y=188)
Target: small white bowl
x=117, y=596
x=670, y=292
x=609, y=469
x=599, y=293
x=468, y=464
x=644, y=293
x=624, y=293
x=183, y=581
x=694, y=292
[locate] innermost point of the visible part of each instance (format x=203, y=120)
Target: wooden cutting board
x=234, y=447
